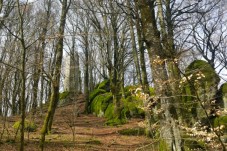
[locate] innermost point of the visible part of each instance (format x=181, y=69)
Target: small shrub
x=29, y=126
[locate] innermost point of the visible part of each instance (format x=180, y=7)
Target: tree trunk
x=39, y=60
x=145, y=84
x=86, y=75
x=23, y=75
x=135, y=53
x=170, y=135
x=56, y=77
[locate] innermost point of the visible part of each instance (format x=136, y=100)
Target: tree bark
x=135, y=53
x=40, y=59
x=140, y=37
x=159, y=56
x=56, y=77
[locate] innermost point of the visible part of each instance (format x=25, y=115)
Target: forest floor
x=91, y=133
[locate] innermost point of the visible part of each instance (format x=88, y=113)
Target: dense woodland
x=163, y=61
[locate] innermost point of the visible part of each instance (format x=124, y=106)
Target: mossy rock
x=64, y=95
x=203, y=81
x=202, y=66
x=116, y=121
x=112, y=119
x=109, y=111
x=129, y=90
x=133, y=107
x=132, y=131
x=224, y=88
x=105, y=85
x=193, y=144
x=100, y=104
x=29, y=126
x=222, y=120
x=222, y=96
x=96, y=92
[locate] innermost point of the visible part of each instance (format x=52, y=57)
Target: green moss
x=221, y=121
x=96, y=92
x=129, y=90
x=132, y=107
x=116, y=121
x=63, y=95
x=193, y=144
x=100, y=104
x=224, y=88
x=105, y=85
x=132, y=131
x=29, y=126
x=94, y=142
x=152, y=91
x=202, y=83
x=202, y=66
x=109, y=111
x=163, y=146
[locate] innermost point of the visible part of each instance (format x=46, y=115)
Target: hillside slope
x=90, y=132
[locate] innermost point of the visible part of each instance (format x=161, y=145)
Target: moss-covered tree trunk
x=161, y=58
x=57, y=74
x=22, y=73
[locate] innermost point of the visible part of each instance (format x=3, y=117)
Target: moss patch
x=100, y=104
x=116, y=120
x=95, y=93
x=105, y=85
x=29, y=126
x=193, y=144
x=132, y=107
x=221, y=121
x=200, y=66
x=132, y=131
x=200, y=79
x=64, y=95
x=94, y=142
